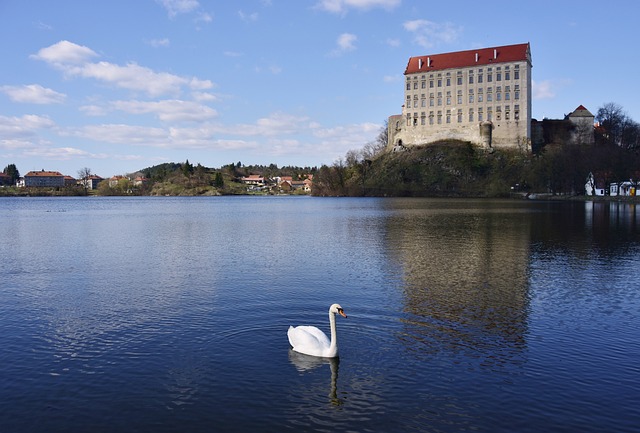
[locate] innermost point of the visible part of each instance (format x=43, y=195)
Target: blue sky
x=120, y=85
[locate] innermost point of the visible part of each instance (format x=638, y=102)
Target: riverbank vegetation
x=447, y=168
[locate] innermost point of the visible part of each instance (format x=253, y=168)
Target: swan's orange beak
x=341, y=311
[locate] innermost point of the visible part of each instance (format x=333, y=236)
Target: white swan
x=312, y=341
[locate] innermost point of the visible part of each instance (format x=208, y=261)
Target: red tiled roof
x=43, y=173
x=461, y=59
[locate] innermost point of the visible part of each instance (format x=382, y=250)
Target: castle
x=482, y=96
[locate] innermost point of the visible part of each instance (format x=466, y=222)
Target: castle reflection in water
x=466, y=265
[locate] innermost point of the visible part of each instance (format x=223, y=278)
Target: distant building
x=90, y=182
x=5, y=179
x=70, y=181
x=44, y=179
x=482, y=96
x=577, y=127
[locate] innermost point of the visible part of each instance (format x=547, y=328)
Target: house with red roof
x=44, y=179
x=482, y=96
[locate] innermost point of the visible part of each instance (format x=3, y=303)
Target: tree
x=12, y=171
x=617, y=128
x=84, y=175
x=219, y=180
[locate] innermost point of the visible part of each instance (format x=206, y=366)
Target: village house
x=44, y=179
x=5, y=179
x=598, y=186
x=90, y=182
x=253, y=180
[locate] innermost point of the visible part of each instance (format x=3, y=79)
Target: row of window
x=436, y=99
x=439, y=80
x=471, y=114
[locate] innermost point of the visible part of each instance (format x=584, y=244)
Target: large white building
x=482, y=96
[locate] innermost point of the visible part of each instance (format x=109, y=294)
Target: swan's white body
x=312, y=341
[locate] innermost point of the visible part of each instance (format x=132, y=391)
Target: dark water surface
x=170, y=315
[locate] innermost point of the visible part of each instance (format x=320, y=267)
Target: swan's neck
x=333, y=348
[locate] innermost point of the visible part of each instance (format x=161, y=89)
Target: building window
x=423, y=118
x=430, y=117
x=480, y=95
x=480, y=114
x=516, y=94
x=516, y=112
x=448, y=81
x=470, y=77
x=459, y=79
x=480, y=76
x=489, y=94
x=459, y=96
x=489, y=114
x=507, y=93
x=415, y=85
x=424, y=85
x=431, y=84
x=439, y=117
x=423, y=103
x=439, y=99
x=498, y=114
x=470, y=114
x=448, y=97
x=507, y=73
x=516, y=72
x=448, y=119
x=499, y=93
x=439, y=82
x=415, y=119
x=408, y=119
x=506, y=112
x=470, y=96
x=431, y=100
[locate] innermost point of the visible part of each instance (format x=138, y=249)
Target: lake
x=171, y=315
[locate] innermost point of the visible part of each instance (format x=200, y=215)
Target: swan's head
x=337, y=309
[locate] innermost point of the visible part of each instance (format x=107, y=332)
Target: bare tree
x=84, y=176
x=612, y=120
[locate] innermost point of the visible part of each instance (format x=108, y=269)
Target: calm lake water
x=170, y=315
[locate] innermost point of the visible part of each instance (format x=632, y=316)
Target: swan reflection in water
x=305, y=363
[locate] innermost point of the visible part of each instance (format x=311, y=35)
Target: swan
x=309, y=340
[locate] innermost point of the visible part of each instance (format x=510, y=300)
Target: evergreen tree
x=12, y=170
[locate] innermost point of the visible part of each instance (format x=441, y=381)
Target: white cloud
x=73, y=59
x=233, y=54
x=427, y=34
x=345, y=42
x=342, y=6
x=164, y=42
x=33, y=94
x=93, y=110
x=204, y=17
x=65, y=53
x=542, y=89
x=120, y=134
x=168, y=110
x=175, y=7
x=24, y=126
x=393, y=42
x=247, y=18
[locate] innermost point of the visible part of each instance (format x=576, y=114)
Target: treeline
x=453, y=168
